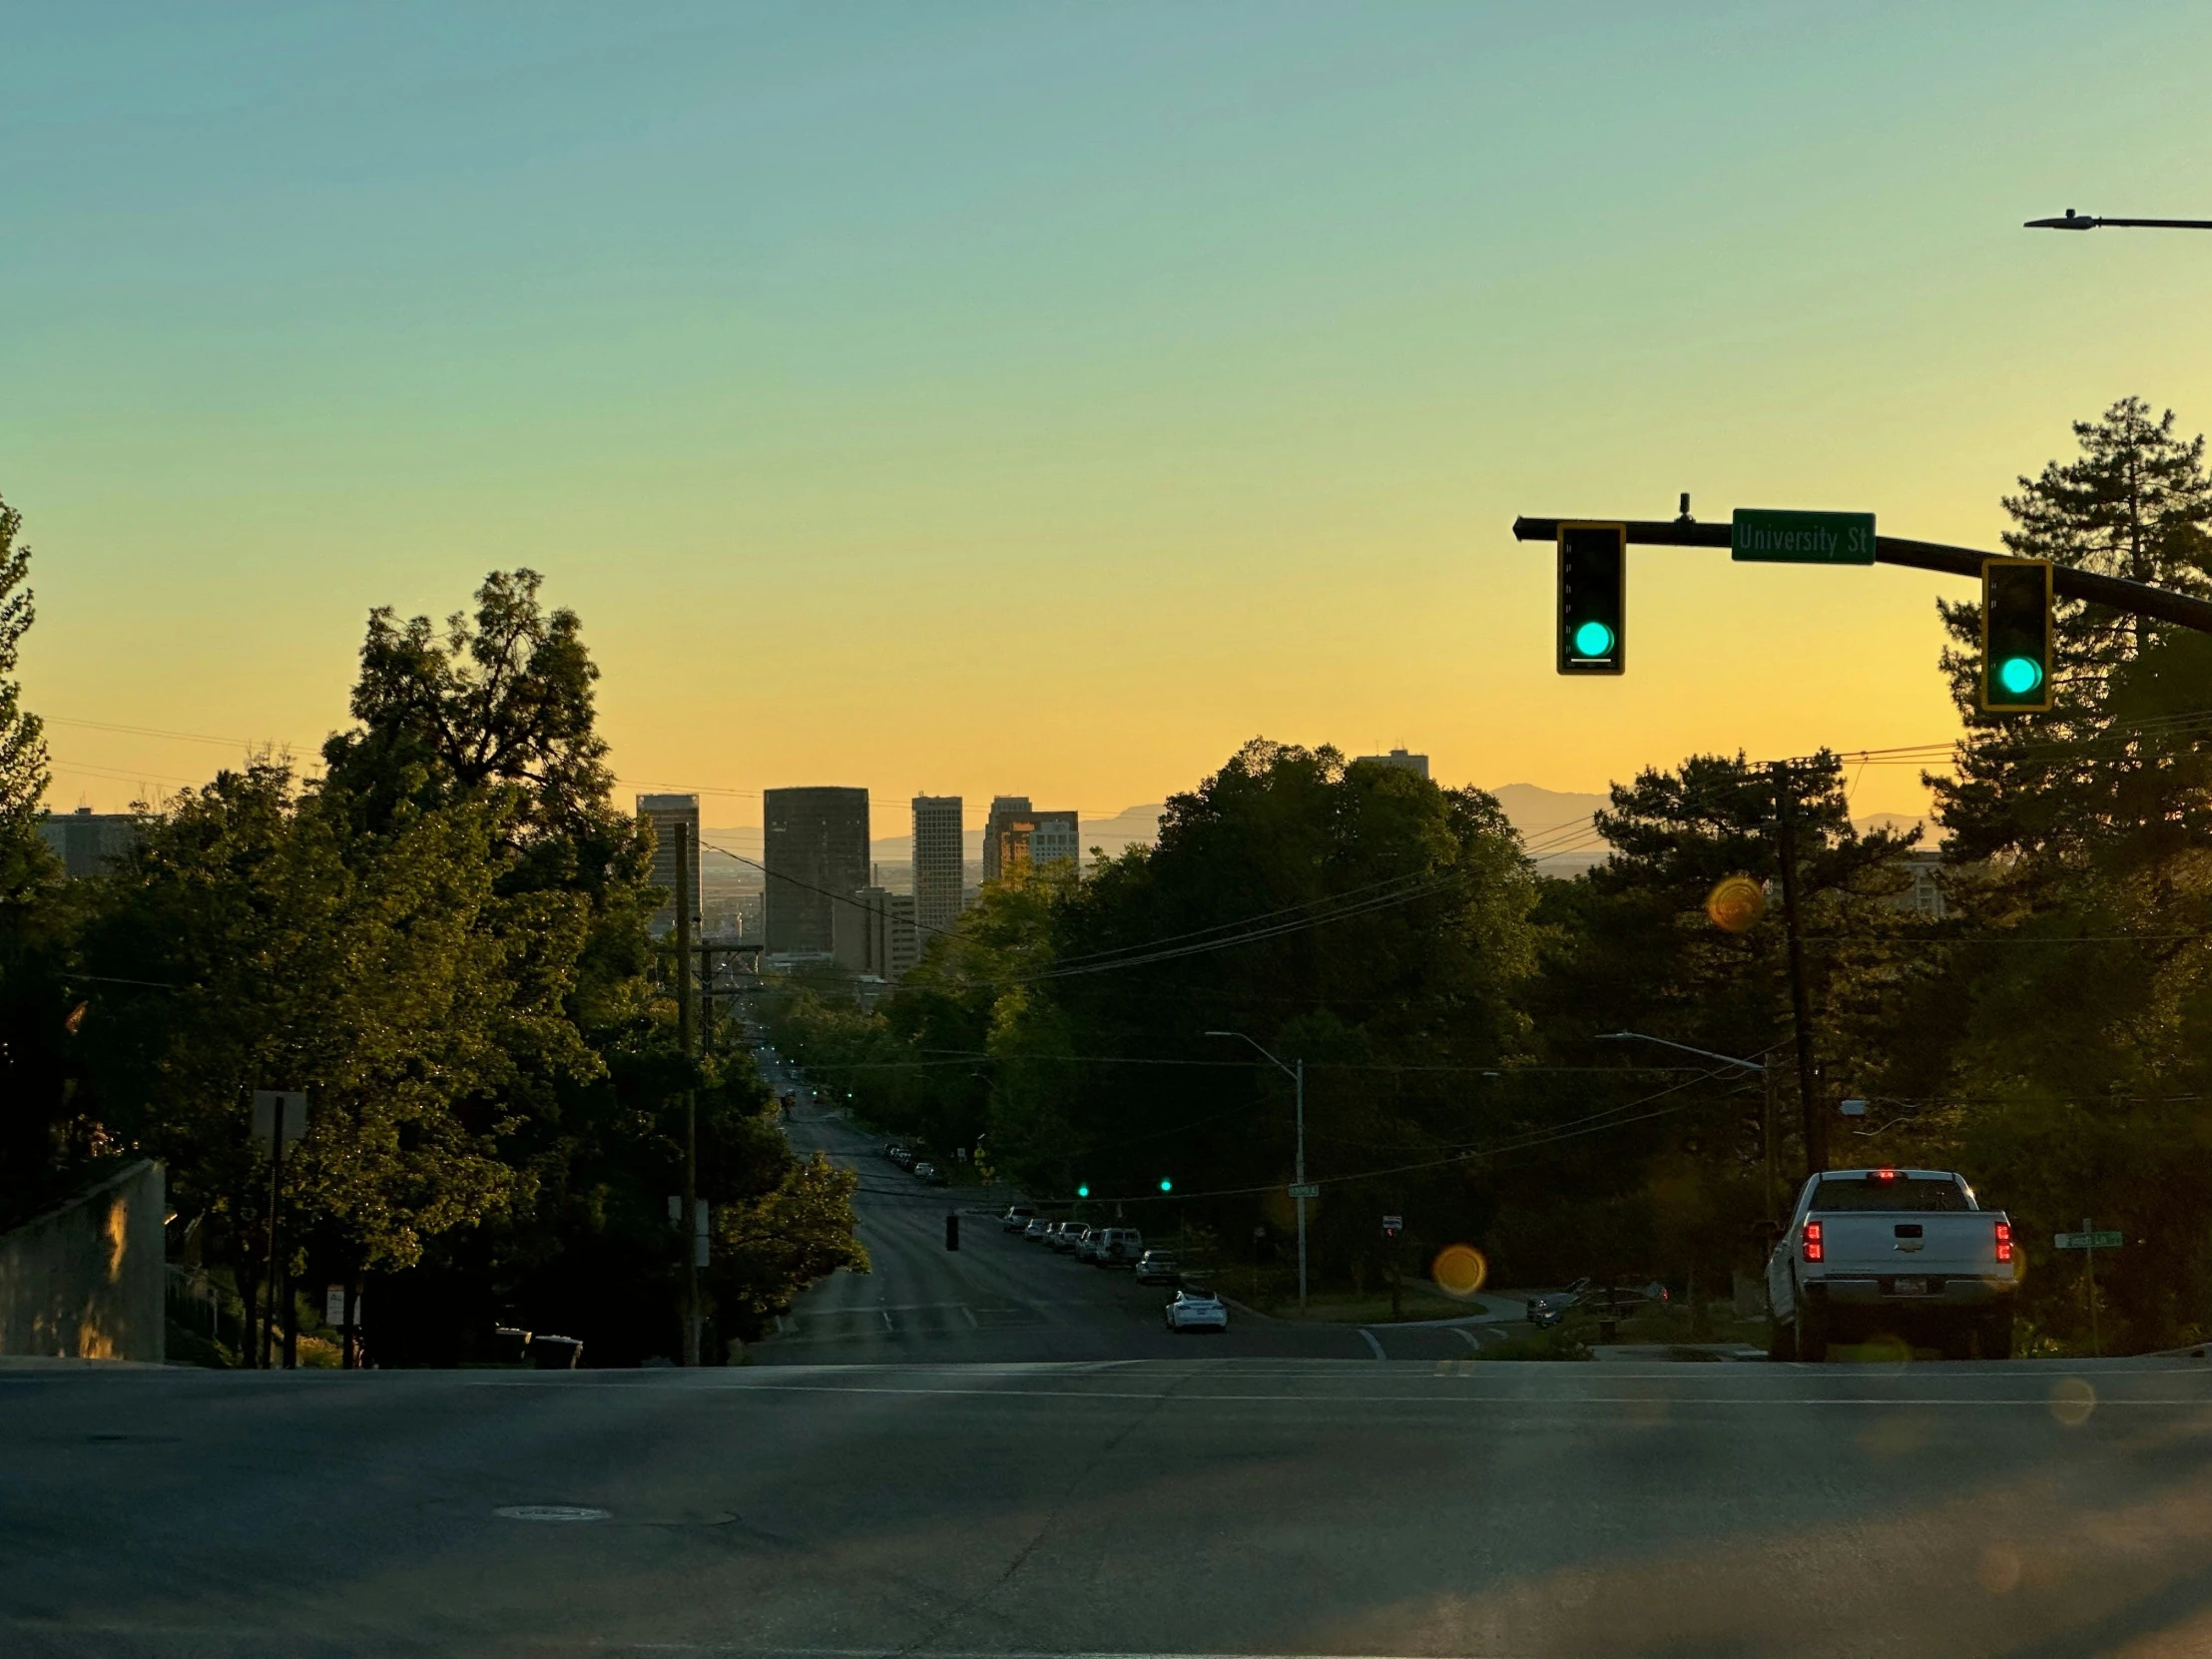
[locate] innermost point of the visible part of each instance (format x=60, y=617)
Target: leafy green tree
x=257, y=939
x=23, y=769
x=37, y=1142
x=771, y=1245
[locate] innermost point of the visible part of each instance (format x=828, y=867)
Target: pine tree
x=2119, y=739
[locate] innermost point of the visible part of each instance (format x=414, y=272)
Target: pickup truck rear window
x=1903, y=1192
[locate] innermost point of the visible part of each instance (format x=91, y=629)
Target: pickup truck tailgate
x=1911, y=1242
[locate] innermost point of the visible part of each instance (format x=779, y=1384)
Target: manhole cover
x=553, y=1512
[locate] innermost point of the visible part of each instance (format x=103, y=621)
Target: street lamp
x=2085, y=222
x=1764, y=1072
x=1667, y=1042
x=1297, y=1075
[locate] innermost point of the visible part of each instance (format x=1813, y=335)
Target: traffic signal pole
x=1801, y=1014
x=2117, y=593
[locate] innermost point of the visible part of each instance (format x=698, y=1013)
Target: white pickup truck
x=1904, y=1253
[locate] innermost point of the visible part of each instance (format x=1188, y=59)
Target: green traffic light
x=2020, y=675
x=1083, y=1191
x=1593, y=639
x=1165, y=1185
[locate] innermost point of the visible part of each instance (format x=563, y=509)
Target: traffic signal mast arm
x=2135, y=598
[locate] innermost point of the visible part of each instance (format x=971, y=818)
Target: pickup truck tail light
x=1813, y=1241
x=2004, y=1241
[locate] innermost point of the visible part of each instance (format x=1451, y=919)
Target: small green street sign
x=2088, y=1241
x=1762, y=535
x=1305, y=1189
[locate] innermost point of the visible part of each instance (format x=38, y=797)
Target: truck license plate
x=1909, y=1287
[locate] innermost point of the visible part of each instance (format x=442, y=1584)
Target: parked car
x=1064, y=1233
x=1016, y=1219
x=1038, y=1230
x=892, y=1150
x=1118, y=1247
x=1548, y=1310
x=925, y=1170
x=1196, y=1308
x=1907, y=1252
x=1087, y=1243
x=1159, y=1267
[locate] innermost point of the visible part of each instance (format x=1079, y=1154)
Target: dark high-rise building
x=939, y=863
x=816, y=858
x=665, y=812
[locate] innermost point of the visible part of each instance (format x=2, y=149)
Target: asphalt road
x=1146, y=1507
x=999, y=1298
x=1008, y=1458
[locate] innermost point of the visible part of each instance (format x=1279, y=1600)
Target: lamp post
x=1297, y=1075
x=1764, y=1072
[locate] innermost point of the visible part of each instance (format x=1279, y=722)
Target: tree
x=257, y=938
x=2098, y=773
x=23, y=771
x=37, y=1145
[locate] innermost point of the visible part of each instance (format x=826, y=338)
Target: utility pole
x=267, y=1343
x=1297, y=1082
x=689, y=1226
x=1299, y=1188
x=1815, y=1127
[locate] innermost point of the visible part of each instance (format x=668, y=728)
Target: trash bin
x=556, y=1353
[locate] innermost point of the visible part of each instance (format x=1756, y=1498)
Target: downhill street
x=999, y=1298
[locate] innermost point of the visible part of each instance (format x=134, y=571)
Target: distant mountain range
x=1555, y=825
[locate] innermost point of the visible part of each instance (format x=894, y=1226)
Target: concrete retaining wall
x=86, y=1281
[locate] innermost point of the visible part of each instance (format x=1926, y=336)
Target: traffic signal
x=1084, y=1191
x=2016, y=635
x=1165, y=1185
x=1593, y=598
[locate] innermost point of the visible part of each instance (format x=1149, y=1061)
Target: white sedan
x=1197, y=1309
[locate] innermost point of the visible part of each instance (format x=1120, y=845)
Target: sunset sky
x=1047, y=399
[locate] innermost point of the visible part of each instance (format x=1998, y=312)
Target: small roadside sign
x=1759, y=535
x=270, y=1105
x=1393, y=1225
x=334, y=1305
x=1306, y=1189
x=2088, y=1241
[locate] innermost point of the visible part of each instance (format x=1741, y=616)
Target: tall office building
x=816, y=856
x=940, y=855
x=1017, y=833
x=88, y=843
x=1401, y=759
x=665, y=812
x=875, y=933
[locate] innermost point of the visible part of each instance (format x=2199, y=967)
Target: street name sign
x=2088, y=1241
x=1762, y=535
x=1306, y=1189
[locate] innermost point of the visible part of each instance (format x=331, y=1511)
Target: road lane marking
x=1374, y=1347
x=564, y=1513
x=2037, y=1401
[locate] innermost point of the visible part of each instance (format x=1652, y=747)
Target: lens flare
x=1736, y=903
x=1458, y=1271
